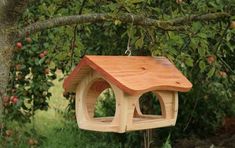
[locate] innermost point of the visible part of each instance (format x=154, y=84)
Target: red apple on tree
x=211, y=59
x=19, y=45
x=28, y=40
x=41, y=55
x=14, y=99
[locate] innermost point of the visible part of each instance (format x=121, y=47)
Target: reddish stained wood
x=132, y=74
x=100, y=85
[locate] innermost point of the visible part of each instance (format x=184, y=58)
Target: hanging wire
x=128, y=48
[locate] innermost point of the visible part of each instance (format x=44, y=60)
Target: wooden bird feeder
x=129, y=77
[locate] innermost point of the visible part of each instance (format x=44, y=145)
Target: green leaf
x=113, y=6
x=52, y=65
x=46, y=45
x=41, y=61
x=202, y=35
x=176, y=39
x=202, y=66
x=36, y=61
x=131, y=31
x=172, y=51
x=139, y=43
x=211, y=72
x=194, y=43
x=189, y=62
x=201, y=52
x=167, y=143
x=196, y=26
x=213, y=4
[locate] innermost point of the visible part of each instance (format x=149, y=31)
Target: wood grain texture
x=87, y=92
x=132, y=74
x=128, y=116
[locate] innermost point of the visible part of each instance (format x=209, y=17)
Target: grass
x=59, y=132
x=51, y=124
x=54, y=128
x=46, y=121
x=50, y=128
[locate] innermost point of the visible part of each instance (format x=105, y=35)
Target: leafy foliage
x=105, y=104
x=204, y=52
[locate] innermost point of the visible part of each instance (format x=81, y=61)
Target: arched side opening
x=163, y=111
x=105, y=104
x=100, y=102
x=149, y=106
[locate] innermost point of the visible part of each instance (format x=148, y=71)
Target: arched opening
x=100, y=102
x=148, y=107
x=149, y=104
x=105, y=104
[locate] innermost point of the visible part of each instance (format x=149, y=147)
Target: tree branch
x=204, y=17
x=173, y=24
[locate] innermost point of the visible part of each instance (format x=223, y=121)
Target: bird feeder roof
x=132, y=74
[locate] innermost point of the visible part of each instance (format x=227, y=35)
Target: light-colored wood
x=169, y=107
x=91, y=81
x=134, y=74
x=86, y=95
x=124, y=119
x=149, y=124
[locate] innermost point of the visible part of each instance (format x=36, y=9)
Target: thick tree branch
x=204, y=17
x=124, y=18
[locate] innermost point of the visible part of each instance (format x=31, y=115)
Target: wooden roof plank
x=132, y=74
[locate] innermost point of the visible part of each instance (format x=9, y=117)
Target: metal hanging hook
x=128, y=51
x=128, y=48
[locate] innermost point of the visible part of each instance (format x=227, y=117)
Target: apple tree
x=39, y=37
